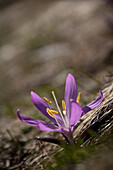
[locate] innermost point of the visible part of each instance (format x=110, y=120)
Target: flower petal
x=76, y=112
x=93, y=104
x=38, y=123
x=71, y=92
x=41, y=105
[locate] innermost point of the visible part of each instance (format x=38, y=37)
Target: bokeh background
x=41, y=41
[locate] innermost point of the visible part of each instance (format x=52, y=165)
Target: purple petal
x=71, y=92
x=41, y=105
x=93, y=104
x=76, y=112
x=38, y=123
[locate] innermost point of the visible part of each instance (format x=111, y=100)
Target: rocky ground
x=40, y=43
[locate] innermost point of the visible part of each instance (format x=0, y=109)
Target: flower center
x=62, y=113
x=53, y=112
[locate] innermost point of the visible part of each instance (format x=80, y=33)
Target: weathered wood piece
x=98, y=120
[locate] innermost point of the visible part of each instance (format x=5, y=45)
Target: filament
x=58, y=108
x=57, y=122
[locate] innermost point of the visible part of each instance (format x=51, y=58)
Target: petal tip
x=18, y=110
x=101, y=94
x=18, y=114
x=31, y=93
x=70, y=75
x=33, y=96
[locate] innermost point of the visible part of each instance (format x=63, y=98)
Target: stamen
x=78, y=98
x=59, y=108
x=64, y=112
x=57, y=122
x=63, y=105
x=49, y=112
x=67, y=120
x=47, y=100
x=54, y=112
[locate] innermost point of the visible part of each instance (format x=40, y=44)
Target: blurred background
x=41, y=42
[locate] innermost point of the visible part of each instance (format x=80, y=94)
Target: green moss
x=70, y=156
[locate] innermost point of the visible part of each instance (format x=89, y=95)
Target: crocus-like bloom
x=65, y=119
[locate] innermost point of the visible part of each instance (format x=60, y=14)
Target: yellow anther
x=78, y=98
x=47, y=100
x=49, y=112
x=54, y=111
x=63, y=105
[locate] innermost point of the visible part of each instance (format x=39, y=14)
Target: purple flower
x=65, y=119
